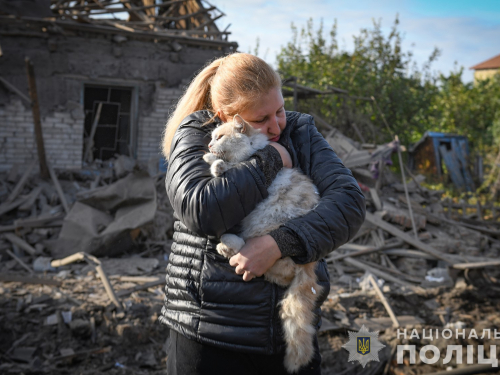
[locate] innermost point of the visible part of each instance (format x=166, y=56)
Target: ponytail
x=228, y=84
x=196, y=98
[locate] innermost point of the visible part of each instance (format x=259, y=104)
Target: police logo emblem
x=363, y=346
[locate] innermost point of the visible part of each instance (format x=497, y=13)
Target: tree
x=377, y=67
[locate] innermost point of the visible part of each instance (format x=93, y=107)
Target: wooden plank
x=21, y=183
x=6, y=207
x=15, y=90
x=465, y=266
x=44, y=172
x=382, y=274
x=19, y=261
x=12, y=238
x=59, y=190
x=101, y=29
x=406, y=187
x=357, y=158
x=209, y=22
x=6, y=277
x=90, y=141
x=388, y=307
x=38, y=222
x=30, y=201
x=126, y=292
x=376, y=199
x=405, y=237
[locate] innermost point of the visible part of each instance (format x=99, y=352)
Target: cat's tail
x=297, y=317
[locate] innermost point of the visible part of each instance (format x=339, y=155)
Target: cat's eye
x=219, y=137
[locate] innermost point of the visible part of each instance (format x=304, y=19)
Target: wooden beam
x=19, y=261
x=59, y=190
x=22, y=182
x=44, y=171
x=382, y=274
x=464, y=266
x=406, y=187
x=15, y=278
x=138, y=34
x=90, y=141
x=371, y=218
x=125, y=10
x=185, y=16
x=12, y=238
x=210, y=21
x=15, y=90
x=99, y=5
x=395, y=322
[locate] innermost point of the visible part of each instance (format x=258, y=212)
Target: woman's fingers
x=239, y=270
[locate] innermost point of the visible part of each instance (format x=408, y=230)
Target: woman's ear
x=240, y=124
x=221, y=115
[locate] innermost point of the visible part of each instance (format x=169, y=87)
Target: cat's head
x=236, y=140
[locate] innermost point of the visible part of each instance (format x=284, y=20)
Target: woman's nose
x=274, y=127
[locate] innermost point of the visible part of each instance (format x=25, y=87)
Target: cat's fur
x=291, y=194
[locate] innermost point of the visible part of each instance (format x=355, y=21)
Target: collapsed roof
x=186, y=21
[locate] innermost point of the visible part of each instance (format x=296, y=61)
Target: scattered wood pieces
x=22, y=182
x=19, y=261
x=464, y=266
x=127, y=292
x=383, y=275
x=58, y=189
x=405, y=237
x=384, y=301
x=98, y=267
x=21, y=243
x=9, y=277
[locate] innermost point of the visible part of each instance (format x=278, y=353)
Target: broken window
x=112, y=124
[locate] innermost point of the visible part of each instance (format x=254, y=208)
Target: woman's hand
x=256, y=257
x=285, y=156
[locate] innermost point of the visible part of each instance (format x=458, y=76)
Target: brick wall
x=62, y=133
x=152, y=125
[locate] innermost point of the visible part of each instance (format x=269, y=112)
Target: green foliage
x=467, y=109
x=410, y=97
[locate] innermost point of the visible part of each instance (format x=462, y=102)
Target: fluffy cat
x=291, y=194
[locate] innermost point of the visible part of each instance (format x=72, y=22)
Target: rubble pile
x=96, y=309
x=418, y=262
x=84, y=256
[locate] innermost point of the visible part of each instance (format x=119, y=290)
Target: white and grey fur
x=291, y=194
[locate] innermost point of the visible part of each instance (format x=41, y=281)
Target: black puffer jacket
x=205, y=299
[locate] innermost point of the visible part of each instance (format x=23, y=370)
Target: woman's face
x=267, y=114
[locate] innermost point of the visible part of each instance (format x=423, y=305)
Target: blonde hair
x=229, y=84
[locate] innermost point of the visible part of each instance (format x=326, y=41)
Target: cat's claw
x=219, y=167
x=230, y=245
x=210, y=158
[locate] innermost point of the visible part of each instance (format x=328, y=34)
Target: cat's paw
x=230, y=245
x=210, y=158
x=219, y=167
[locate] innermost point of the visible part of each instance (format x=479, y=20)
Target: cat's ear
x=240, y=124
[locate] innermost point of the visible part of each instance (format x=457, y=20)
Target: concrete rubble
x=83, y=268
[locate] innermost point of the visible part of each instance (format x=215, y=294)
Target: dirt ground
x=71, y=327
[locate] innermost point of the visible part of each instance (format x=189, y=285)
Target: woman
x=223, y=317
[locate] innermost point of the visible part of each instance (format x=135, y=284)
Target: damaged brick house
x=107, y=74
